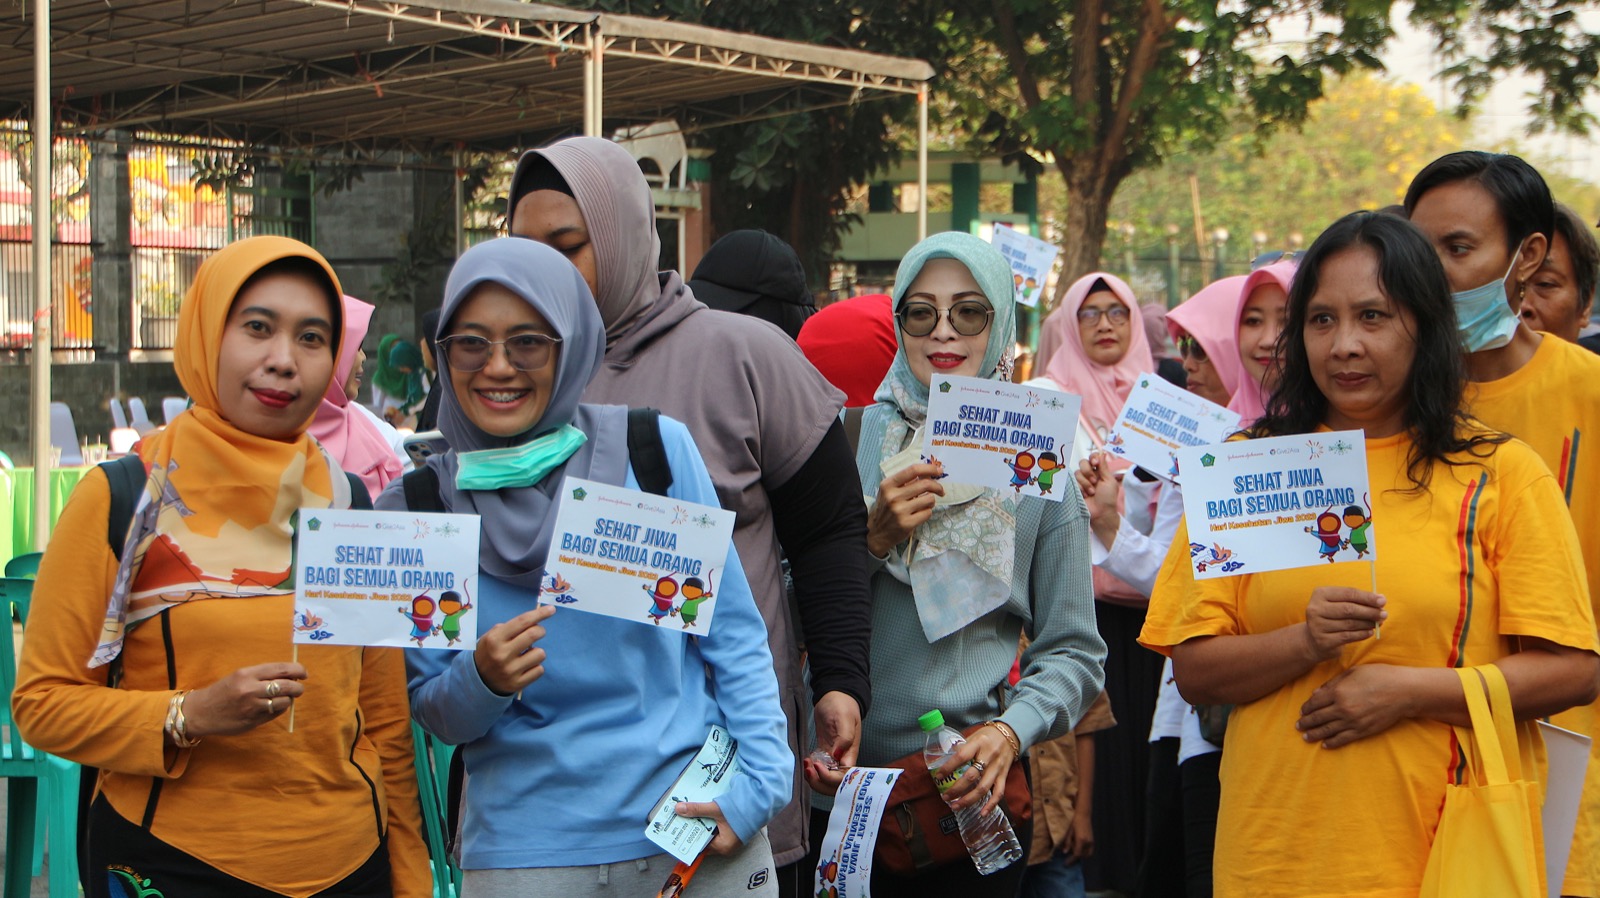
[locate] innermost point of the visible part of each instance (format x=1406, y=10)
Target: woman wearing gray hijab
x=764, y=418
x=572, y=726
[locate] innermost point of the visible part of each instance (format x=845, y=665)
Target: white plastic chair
x=172, y=407
x=138, y=418
x=122, y=440
x=119, y=418
x=64, y=434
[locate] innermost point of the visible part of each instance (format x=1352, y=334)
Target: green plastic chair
x=24, y=565
x=41, y=789
x=433, y=764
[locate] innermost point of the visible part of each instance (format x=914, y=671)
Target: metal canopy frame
x=439, y=75
x=419, y=75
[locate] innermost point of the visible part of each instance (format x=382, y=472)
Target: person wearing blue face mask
x=1490, y=217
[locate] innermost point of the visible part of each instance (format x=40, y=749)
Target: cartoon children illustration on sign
x=661, y=596
x=694, y=592
x=1049, y=467
x=421, y=615
x=1360, y=523
x=453, y=608
x=1328, y=532
x=1021, y=468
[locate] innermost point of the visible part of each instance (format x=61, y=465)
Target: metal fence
x=71, y=258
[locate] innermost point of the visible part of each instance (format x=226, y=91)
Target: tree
x=1110, y=87
x=792, y=174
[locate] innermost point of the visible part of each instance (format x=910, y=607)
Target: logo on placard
x=1207, y=460
x=580, y=494
x=447, y=529
x=1144, y=383
x=1216, y=556
x=944, y=386
x=703, y=520
x=314, y=525
x=1341, y=448
x=306, y=622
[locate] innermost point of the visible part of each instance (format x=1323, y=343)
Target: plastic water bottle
x=990, y=840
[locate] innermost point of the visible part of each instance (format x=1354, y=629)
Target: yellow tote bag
x=1489, y=844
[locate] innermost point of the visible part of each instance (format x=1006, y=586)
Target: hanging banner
x=1160, y=418
x=1277, y=503
x=612, y=543
x=385, y=578
x=1030, y=260
x=1001, y=435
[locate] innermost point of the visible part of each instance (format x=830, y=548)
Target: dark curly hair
x=1411, y=276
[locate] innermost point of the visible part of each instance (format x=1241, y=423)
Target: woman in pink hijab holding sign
x=1100, y=353
x=1340, y=746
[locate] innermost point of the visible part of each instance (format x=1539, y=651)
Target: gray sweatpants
x=747, y=872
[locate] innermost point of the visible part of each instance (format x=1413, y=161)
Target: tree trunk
x=1089, y=193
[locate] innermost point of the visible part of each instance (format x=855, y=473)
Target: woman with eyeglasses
x=1181, y=792
x=1103, y=351
x=574, y=725
x=1340, y=747
x=961, y=572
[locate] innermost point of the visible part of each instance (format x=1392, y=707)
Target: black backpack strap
x=360, y=499
x=126, y=477
x=422, y=490
x=852, y=426
x=646, y=452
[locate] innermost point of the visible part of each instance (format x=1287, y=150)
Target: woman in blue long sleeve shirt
x=574, y=725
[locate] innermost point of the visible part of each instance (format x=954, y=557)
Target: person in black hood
x=757, y=274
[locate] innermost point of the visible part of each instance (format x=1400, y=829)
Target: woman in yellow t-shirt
x=1340, y=747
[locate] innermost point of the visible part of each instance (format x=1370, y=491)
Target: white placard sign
x=1160, y=418
x=1001, y=435
x=637, y=556
x=1568, y=762
x=845, y=869
x=385, y=578
x=709, y=775
x=1277, y=503
x=1030, y=260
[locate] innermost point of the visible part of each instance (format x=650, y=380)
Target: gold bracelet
x=1008, y=734
x=177, y=726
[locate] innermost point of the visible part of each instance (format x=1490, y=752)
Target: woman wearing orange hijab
x=170, y=669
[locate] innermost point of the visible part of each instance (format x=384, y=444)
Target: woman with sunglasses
x=1340, y=746
x=572, y=726
x=961, y=572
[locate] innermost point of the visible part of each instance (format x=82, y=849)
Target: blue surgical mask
x=1484, y=317
x=517, y=466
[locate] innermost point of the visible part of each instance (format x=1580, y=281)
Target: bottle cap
x=931, y=721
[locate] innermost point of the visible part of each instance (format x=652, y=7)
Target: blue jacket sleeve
x=742, y=677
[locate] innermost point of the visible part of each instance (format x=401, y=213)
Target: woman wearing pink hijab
x=1204, y=330
x=1263, y=306
x=1098, y=350
x=350, y=437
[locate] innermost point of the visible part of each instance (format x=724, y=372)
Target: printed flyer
x=1277, y=503
x=1160, y=418
x=1030, y=260
x=612, y=543
x=385, y=578
x=1001, y=435
x=709, y=775
x=845, y=870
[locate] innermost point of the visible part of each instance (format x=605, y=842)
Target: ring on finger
x=270, y=708
x=980, y=767
x=273, y=689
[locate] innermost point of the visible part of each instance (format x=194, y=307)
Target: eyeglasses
x=968, y=318
x=1274, y=257
x=1190, y=348
x=526, y=352
x=1089, y=317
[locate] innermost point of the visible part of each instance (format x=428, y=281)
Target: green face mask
x=513, y=466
